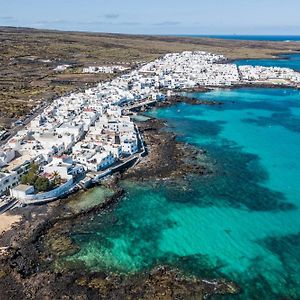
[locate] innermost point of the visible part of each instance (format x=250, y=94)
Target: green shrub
x=42, y=184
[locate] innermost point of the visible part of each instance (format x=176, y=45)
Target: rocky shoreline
x=167, y=158
x=177, y=98
x=253, y=85
x=26, y=270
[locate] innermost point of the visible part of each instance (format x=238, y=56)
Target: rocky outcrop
x=160, y=283
x=167, y=158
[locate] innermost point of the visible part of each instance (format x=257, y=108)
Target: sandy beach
x=7, y=220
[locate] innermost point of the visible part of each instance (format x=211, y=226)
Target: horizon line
x=156, y=34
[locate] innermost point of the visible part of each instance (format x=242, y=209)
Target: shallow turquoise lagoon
x=243, y=222
x=291, y=61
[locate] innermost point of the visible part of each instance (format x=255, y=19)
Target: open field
x=28, y=57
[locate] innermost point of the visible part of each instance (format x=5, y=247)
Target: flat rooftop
x=22, y=187
x=18, y=161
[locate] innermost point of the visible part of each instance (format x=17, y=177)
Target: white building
x=6, y=156
x=21, y=191
x=7, y=181
x=75, y=129
x=64, y=166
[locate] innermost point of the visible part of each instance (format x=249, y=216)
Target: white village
x=84, y=137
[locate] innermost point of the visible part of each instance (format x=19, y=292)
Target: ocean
x=291, y=61
x=274, y=38
x=242, y=222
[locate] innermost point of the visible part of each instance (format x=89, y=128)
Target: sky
x=212, y=17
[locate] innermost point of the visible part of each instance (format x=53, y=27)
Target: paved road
x=12, y=132
x=8, y=206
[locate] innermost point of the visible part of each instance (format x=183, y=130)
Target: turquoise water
x=89, y=199
x=291, y=61
x=243, y=222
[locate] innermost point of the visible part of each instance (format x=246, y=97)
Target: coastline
x=273, y=56
x=167, y=158
x=29, y=259
x=238, y=86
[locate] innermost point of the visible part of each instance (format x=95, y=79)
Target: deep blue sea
x=242, y=222
x=274, y=38
x=291, y=61
x=284, y=61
